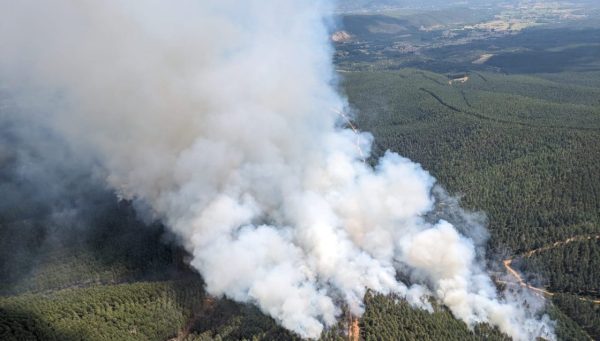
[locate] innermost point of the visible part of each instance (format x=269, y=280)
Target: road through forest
x=541, y=291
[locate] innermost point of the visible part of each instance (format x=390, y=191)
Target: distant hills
x=377, y=5
x=381, y=5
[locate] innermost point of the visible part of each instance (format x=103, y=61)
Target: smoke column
x=220, y=116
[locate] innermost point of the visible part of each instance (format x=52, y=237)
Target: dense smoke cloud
x=221, y=117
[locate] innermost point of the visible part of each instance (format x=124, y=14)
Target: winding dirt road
x=541, y=291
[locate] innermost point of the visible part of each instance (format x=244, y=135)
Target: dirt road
x=541, y=291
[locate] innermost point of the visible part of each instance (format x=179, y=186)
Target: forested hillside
x=78, y=263
x=523, y=149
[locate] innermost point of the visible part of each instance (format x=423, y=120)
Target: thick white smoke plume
x=220, y=115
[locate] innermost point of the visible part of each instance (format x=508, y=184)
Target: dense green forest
x=586, y=314
x=521, y=148
x=143, y=311
x=389, y=318
x=530, y=163
x=557, y=268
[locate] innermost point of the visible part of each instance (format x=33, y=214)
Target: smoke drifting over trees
x=220, y=117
